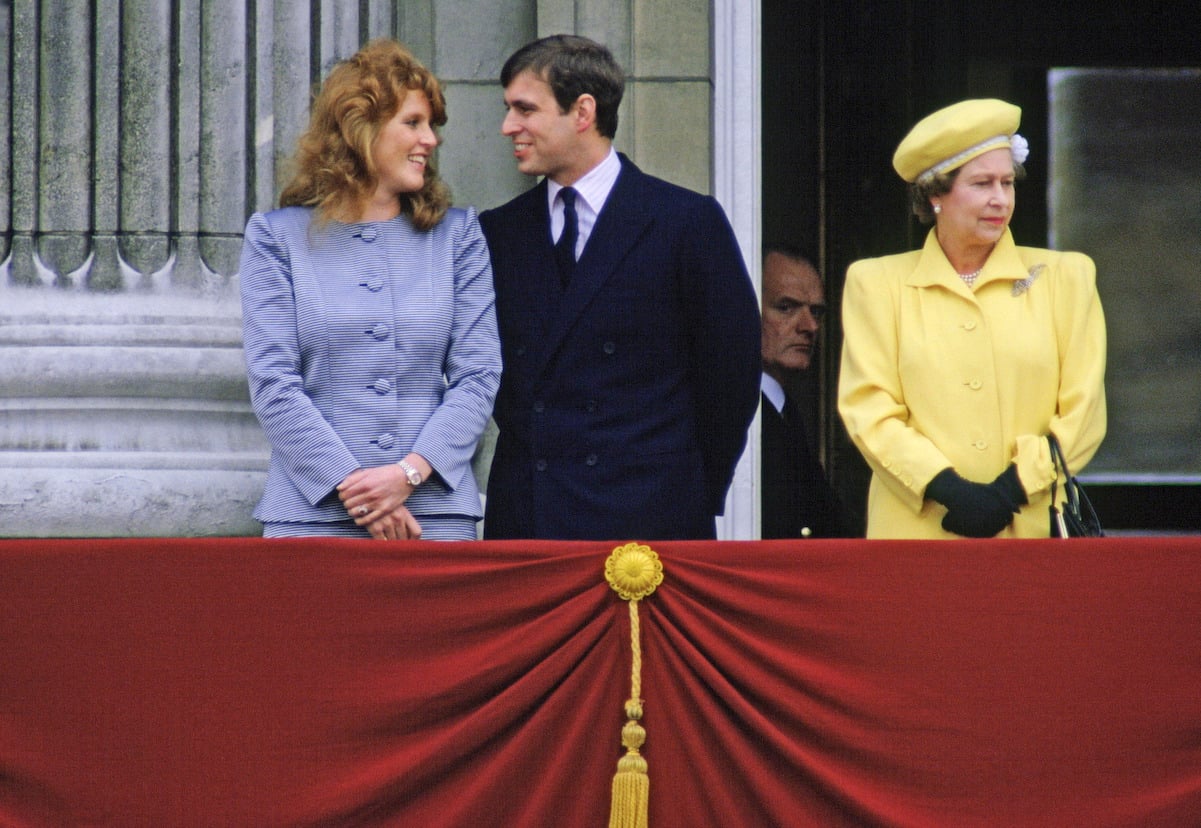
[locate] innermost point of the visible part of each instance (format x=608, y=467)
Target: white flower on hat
x=1020, y=148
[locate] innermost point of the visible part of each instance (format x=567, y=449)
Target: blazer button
x=539, y=407
x=609, y=348
x=591, y=406
x=519, y=350
x=591, y=459
x=540, y=465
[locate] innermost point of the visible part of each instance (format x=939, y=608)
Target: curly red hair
x=334, y=168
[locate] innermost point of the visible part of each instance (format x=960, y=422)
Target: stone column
x=124, y=415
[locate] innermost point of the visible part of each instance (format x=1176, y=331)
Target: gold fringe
x=633, y=571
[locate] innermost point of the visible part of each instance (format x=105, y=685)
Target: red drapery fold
x=334, y=682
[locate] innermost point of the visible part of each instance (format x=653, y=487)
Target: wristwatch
x=411, y=473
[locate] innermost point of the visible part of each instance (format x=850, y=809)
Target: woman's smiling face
x=404, y=145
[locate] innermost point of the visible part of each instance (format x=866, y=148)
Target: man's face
x=545, y=139
x=793, y=305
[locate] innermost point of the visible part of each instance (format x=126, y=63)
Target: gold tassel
x=631, y=784
x=633, y=571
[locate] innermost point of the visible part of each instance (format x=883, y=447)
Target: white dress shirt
x=773, y=391
x=592, y=191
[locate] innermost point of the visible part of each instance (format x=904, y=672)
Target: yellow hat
x=954, y=135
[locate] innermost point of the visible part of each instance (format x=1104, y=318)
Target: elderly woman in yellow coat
x=960, y=358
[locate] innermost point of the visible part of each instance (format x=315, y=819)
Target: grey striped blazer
x=364, y=342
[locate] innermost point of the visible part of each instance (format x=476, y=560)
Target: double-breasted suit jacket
x=365, y=342
x=626, y=396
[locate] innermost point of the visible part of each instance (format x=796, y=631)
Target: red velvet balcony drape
x=248, y=682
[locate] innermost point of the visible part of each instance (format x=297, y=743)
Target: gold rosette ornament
x=633, y=571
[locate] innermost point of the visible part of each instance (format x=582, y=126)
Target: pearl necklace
x=969, y=279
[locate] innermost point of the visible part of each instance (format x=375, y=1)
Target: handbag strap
x=1069, y=483
x=1076, y=502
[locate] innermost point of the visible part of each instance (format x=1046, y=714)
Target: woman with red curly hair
x=368, y=319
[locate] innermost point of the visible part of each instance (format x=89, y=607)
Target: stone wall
x=142, y=134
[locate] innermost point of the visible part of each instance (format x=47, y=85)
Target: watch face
x=411, y=474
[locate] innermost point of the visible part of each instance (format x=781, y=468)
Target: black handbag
x=1077, y=519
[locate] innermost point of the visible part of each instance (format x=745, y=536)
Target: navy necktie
x=565, y=246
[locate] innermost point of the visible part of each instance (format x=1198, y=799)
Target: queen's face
x=980, y=203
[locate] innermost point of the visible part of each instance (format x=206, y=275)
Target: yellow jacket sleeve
x=871, y=397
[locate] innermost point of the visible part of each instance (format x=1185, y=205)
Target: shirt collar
x=595, y=185
x=772, y=389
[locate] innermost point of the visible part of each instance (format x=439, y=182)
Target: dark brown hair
x=573, y=66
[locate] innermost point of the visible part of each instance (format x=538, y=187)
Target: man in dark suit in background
x=628, y=324
x=797, y=499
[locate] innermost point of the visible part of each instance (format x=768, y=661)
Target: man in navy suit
x=629, y=326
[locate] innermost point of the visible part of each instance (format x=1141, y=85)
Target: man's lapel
x=622, y=223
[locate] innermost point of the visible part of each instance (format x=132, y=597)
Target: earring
x=937, y=209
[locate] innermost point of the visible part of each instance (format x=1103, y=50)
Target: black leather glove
x=974, y=510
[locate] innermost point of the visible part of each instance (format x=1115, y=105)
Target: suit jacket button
x=540, y=465
x=539, y=407
x=609, y=348
x=591, y=459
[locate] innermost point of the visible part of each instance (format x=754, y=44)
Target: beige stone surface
x=672, y=131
